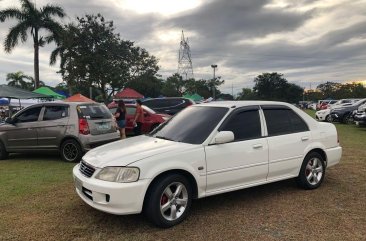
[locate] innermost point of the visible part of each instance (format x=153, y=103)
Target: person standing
x=120, y=116
x=139, y=118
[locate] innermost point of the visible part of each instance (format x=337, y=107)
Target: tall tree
x=93, y=55
x=18, y=79
x=273, y=86
x=30, y=18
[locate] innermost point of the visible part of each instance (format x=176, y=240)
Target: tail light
x=83, y=127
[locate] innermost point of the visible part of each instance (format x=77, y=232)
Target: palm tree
x=17, y=79
x=33, y=19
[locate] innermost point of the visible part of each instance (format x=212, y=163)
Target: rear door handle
x=257, y=146
x=304, y=138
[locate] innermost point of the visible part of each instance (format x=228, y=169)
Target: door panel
x=236, y=164
x=286, y=153
x=22, y=136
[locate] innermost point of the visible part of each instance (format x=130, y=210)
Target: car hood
x=128, y=151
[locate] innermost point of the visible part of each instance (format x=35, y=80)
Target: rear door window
x=94, y=112
x=281, y=121
x=55, y=112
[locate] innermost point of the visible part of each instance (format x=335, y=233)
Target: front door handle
x=257, y=146
x=304, y=138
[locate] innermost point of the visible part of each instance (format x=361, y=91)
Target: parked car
x=151, y=118
x=204, y=150
x=360, y=116
x=72, y=128
x=324, y=115
x=168, y=105
x=345, y=114
x=321, y=103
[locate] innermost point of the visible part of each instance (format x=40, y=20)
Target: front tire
x=312, y=171
x=168, y=201
x=71, y=151
x=328, y=118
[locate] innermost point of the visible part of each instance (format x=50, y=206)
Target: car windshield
x=192, y=125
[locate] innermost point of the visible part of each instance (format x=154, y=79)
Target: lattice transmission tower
x=185, y=68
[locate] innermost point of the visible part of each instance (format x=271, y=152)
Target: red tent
x=78, y=98
x=128, y=93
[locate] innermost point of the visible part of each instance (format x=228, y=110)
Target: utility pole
x=214, y=66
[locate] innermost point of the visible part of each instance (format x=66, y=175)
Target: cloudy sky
x=309, y=41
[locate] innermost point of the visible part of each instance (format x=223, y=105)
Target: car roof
x=235, y=104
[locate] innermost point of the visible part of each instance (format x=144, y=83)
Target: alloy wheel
x=314, y=171
x=173, y=201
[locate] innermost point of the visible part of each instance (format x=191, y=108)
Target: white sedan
x=205, y=150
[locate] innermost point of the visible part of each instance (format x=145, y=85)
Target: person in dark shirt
x=120, y=116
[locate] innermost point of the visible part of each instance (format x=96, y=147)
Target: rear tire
x=312, y=171
x=3, y=153
x=168, y=200
x=71, y=151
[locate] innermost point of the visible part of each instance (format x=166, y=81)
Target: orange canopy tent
x=128, y=93
x=78, y=98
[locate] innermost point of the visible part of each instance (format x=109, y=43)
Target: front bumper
x=321, y=116
x=110, y=197
x=360, y=119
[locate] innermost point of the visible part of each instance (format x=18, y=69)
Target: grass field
x=38, y=202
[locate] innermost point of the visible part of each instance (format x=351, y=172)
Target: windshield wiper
x=164, y=138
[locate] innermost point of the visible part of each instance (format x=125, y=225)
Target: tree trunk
x=36, y=60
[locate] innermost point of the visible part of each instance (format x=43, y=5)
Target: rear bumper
x=89, y=142
x=333, y=155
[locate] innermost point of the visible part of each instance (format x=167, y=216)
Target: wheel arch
x=320, y=151
x=192, y=180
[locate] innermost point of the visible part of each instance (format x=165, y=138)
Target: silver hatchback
x=72, y=128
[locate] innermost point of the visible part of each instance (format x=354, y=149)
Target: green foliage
x=247, y=94
x=176, y=86
x=28, y=17
x=272, y=86
x=92, y=54
x=341, y=91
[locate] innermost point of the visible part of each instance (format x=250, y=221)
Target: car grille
x=86, y=169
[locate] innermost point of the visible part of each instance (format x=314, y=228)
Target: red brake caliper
x=164, y=199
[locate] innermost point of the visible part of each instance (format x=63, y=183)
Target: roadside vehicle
x=72, y=128
x=204, y=150
x=344, y=114
x=360, y=116
x=320, y=103
x=168, y=105
x=324, y=115
x=324, y=105
x=151, y=118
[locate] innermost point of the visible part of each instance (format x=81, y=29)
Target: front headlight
x=119, y=174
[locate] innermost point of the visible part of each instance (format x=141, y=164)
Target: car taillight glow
x=83, y=127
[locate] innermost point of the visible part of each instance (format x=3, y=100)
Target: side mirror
x=223, y=137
